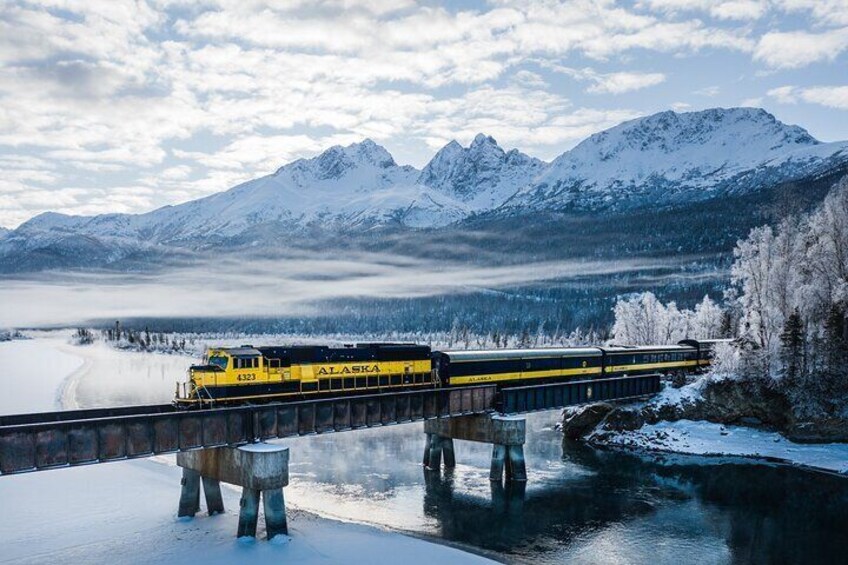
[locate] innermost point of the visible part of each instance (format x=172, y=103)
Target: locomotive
x=247, y=374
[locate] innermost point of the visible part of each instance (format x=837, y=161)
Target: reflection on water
x=580, y=504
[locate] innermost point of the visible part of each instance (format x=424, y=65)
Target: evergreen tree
x=836, y=343
x=524, y=342
x=792, y=340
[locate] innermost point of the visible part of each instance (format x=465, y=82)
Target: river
x=580, y=504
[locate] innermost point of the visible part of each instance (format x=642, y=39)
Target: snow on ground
x=689, y=393
x=32, y=371
x=125, y=512
x=705, y=438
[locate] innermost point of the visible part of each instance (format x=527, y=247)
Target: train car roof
x=705, y=341
x=486, y=354
x=644, y=348
x=238, y=351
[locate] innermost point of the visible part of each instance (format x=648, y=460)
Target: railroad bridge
x=220, y=444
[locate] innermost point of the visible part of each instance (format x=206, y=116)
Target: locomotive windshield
x=219, y=361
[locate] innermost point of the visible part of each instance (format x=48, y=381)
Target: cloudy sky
x=121, y=106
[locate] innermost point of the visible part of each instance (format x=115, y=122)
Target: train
x=248, y=374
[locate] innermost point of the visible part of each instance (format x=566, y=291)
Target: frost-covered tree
x=768, y=273
x=827, y=254
x=791, y=293
x=707, y=320
x=642, y=319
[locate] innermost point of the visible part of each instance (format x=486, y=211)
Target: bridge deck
x=33, y=442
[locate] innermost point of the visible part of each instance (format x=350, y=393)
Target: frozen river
x=32, y=372
x=580, y=504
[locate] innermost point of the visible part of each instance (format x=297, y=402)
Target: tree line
x=786, y=305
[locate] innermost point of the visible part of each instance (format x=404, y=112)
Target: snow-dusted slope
x=669, y=158
x=482, y=175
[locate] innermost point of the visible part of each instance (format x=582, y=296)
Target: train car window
x=578, y=362
x=219, y=361
x=541, y=364
x=498, y=366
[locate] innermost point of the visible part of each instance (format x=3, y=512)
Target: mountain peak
x=373, y=153
x=674, y=157
x=705, y=126
x=336, y=161
x=483, y=139
x=480, y=174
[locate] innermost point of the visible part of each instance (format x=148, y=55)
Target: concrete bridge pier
x=507, y=435
x=262, y=470
x=190, y=496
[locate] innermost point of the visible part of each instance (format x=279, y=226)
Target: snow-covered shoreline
x=707, y=439
x=698, y=437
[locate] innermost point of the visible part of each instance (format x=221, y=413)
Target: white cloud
x=788, y=50
x=529, y=79
x=179, y=172
x=618, y=83
x=783, y=94
x=755, y=102
x=829, y=96
x=823, y=12
x=708, y=91
x=608, y=83
x=724, y=10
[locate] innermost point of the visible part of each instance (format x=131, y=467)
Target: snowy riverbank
x=708, y=439
x=683, y=420
x=126, y=511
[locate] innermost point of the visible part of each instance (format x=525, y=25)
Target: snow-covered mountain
x=483, y=175
x=658, y=161
x=671, y=158
x=355, y=186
